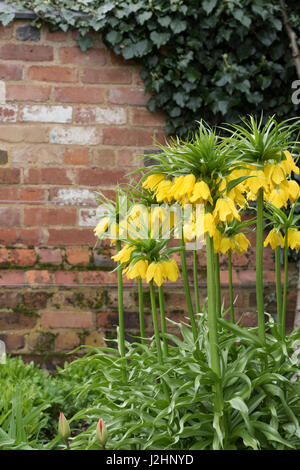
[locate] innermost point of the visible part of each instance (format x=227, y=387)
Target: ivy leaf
x=6, y=17
x=179, y=98
x=85, y=42
x=209, y=5
x=242, y=18
x=143, y=17
x=139, y=49
x=114, y=37
x=178, y=26
x=164, y=21
x=159, y=38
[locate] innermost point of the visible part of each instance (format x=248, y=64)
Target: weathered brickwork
x=72, y=123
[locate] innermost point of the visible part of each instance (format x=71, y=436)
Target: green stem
x=163, y=319
x=155, y=323
x=196, y=286
x=230, y=287
x=259, y=266
x=218, y=285
x=285, y=284
x=187, y=292
x=120, y=303
x=278, y=286
x=141, y=311
x=212, y=323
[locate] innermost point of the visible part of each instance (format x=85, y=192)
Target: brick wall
x=70, y=123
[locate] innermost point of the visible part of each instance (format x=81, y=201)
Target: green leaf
x=209, y=5
x=238, y=404
x=114, y=37
x=85, y=42
x=159, y=38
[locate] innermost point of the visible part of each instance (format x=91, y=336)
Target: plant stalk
x=232, y=317
x=196, y=285
x=259, y=266
x=141, y=311
x=218, y=284
x=285, y=284
x=155, y=323
x=278, y=286
x=163, y=319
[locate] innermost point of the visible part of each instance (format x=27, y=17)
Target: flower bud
x=101, y=432
x=63, y=426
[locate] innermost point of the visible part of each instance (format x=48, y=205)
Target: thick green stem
x=121, y=316
x=230, y=287
x=278, y=286
x=212, y=323
x=187, y=291
x=218, y=284
x=285, y=284
x=155, y=323
x=141, y=311
x=163, y=319
x=196, y=285
x=259, y=266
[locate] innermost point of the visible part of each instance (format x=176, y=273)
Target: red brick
x=35, y=299
x=49, y=256
x=8, y=113
x=247, y=319
x=10, y=299
x=67, y=320
x=104, y=158
x=132, y=96
x=38, y=277
x=14, y=321
x=95, y=339
x=117, y=59
x=107, y=75
x=13, y=342
x=78, y=256
x=127, y=137
x=95, y=177
x=74, y=236
x=12, y=236
x=9, y=176
x=143, y=117
x=224, y=277
x=269, y=277
x=24, y=195
x=36, y=134
x=107, y=319
x=27, y=93
x=3, y=256
x=56, y=36
x=240, y=260
x=73, y=55
x=79, y=94
x=66, y=341
x=9, y=217
x=53, y=216
x=12, y=277
x=128, y=158
x=52, y=73
x=77, y=156
x=247, y=276
x=161, y=138
x=98, y=277
x=47, y=176
x=6, y=32
x=11, y=72
x=22, y=257
x=25, y=52
x=32, y=155
x=66, y=277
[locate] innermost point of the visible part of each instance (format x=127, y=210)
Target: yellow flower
x=294, y=190
x=289, y=165
x=275, y=174
x=138, y=269
x=242, y=243
x=256, y=181
x=189, y=231
x=236, y=194
x=171, y=270
x=163, y=191
x=153, y=180
x=293, y=239
x=155, y=271
x=226, y=244
x=209, y=224
x=102, y=227
x=187, y=186
x=275, y=239
x=124, y=254
x=278, y=196
x=225, y=210
x=201, y=193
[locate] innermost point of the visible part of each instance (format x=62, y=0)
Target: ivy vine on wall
x=217, y=60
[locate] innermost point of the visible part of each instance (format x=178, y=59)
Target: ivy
x=215, y=60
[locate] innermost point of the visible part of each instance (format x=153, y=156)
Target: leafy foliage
x=214, y=60
x=260, y=387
